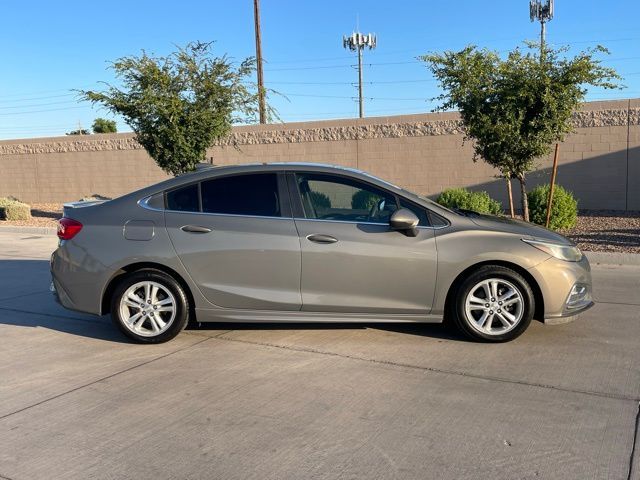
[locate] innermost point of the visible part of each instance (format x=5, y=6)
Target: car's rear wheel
x=149, y=306
x=493, y=304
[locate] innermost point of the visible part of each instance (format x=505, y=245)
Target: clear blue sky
x=48, y=48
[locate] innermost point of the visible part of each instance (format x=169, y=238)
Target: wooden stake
x=553, y=184
x=511, y=210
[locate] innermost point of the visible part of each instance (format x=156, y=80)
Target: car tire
x=149, y=306
x=493, y=304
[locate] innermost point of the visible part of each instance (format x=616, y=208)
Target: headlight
x=569, y=253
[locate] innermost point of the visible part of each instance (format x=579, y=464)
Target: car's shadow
x=25, y=302
x=437, y=331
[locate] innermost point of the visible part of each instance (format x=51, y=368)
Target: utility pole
x=356, y=43
x=261, y=102
x=542, y=10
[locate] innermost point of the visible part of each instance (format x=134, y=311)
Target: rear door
x=351, y=259
x=237, y=239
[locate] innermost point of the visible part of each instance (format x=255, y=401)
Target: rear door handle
x=319, y=238
x=195, y=229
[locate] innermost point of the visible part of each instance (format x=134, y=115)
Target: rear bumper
x=73, y=284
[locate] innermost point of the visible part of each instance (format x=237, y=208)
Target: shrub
x=12, y=209
x=364, y=200
x=319, y=199
x=564, y=208
x=93, y=197
x=479, y=202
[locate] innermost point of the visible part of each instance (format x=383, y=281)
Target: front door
x=351, y=260
x=237, y=240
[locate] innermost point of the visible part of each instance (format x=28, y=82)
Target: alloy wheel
x=494, y=306
x=147, y=308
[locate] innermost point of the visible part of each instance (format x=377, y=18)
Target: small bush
x=564, y=208
x=364, y=200
x=479, y=202
x=93, y=198
x=319, y=199
x=11, y=209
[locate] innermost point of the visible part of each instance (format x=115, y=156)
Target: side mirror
x=405, y=221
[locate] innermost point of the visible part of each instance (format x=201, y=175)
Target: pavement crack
x=634, y=443
x=102, y=379
x=6, y=299
x=618, y=303
x=52, y=315
x=443, y=371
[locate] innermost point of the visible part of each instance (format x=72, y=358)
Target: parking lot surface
x=78, y=401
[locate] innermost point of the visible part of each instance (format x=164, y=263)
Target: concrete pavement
x=298, y=401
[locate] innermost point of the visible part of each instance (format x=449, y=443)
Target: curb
x=33, y=230
x=613, y=258
x=595, y=258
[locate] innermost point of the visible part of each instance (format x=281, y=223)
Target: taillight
x=68, y=228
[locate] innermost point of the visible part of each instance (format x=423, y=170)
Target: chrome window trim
x=419, y=227
x=144, y=203
x=227, y=215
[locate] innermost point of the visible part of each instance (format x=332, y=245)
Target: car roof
x=206, y=171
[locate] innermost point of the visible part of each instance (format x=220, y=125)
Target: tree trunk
x=507, y=177
x=525, y=200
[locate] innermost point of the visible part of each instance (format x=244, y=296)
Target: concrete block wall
x=599, y=162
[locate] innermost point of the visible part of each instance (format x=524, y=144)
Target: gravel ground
x=596, y=231
x=42, y=215
x=607, y=231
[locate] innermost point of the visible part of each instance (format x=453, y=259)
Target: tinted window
x=437, y=220
x=328, y=197
x=184, y=199
x=420, y=212
x=255, y=194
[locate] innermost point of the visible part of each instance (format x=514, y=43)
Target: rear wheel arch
x=136, y=267
x=537, y=292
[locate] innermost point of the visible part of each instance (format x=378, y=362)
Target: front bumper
x=557, y=279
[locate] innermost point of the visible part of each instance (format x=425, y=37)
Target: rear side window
x=184, y=199
x=255, y=195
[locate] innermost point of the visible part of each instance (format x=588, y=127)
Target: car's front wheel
x=149, y=306
x=493, y=304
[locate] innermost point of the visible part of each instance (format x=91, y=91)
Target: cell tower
x=541, y=10
x=357, y=42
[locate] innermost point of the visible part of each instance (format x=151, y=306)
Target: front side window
x=420, y=212
x=328, y=197
x=254, y=195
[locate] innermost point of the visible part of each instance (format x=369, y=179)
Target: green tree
x=102, y=125
x=80, y=131
x=179, y=105
x=514, y=109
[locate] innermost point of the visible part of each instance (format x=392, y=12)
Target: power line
x=444, y=46
x=42, y=111
x=38, y=105
x=47, y=91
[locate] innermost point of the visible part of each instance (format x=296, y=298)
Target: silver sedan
x=308, y=243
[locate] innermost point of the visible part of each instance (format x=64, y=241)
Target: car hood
x=519, y=227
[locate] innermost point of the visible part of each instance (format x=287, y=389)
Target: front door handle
x=195, y=229
x=319, y=238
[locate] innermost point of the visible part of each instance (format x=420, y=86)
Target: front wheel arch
x=537, y=292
